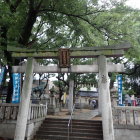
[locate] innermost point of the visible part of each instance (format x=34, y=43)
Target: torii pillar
x=106, y=110
x=70, y=103
x=25, y=101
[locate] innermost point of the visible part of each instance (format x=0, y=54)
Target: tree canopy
x=48, y=24
x=71, y=23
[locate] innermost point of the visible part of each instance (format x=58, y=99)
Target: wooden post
x=25, y=101
x=70, y=103
x=107, y=120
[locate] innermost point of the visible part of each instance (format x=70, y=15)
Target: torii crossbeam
x=87, y=52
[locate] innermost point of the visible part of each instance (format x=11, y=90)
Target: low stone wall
x=126, y=116
x=7, y=128
x=8, y=117
x=126, y=123
x=32, y=127
x=127, y=134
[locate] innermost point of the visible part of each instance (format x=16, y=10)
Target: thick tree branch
x=39, y=5
x=66, y=84
x=35, y=35
x=84, y=14
x=74, y=15
x=14, y=6
x=31, y=19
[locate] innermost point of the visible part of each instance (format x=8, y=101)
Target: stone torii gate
x=102, y=67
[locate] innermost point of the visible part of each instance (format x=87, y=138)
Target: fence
x=126, y=116
x=37, y=111
x=9, y=111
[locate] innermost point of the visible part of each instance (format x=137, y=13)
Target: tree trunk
x=27, y=29
x=4, y=30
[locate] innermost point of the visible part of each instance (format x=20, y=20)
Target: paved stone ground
x=86, y=114
x=83, y=114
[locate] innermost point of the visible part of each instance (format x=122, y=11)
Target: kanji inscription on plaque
x=64, y=58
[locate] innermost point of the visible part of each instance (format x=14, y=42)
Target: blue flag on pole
x=119, y=79
x=16, y=88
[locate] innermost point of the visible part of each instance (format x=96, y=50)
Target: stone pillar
x=70, y=103
x=99, y=100
x=52, y=101
x=25, y=101
x=107, y=119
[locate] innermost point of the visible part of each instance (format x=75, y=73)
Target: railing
x=9, y=111
x=126, y=116
x=70, y=121
x=37, y=111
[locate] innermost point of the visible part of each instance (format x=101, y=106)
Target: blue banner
x=16, y=88
x=2, y=75
x=119, y=79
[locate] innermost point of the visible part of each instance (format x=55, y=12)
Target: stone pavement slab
x=83, y=114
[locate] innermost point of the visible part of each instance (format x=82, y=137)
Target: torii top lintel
x=86, y=52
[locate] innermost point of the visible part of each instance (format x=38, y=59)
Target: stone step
x=73, y=122
x=65, y=133
x=59, y=137
x=93, y=130
x=57, y=129
x=73, y=126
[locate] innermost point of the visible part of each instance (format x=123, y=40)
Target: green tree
x=42, y=24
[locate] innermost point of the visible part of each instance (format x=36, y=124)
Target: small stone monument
x=52, y=107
